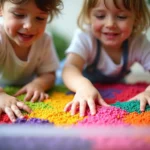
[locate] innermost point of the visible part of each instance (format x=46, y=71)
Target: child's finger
x=102, y=102
x=16, y=111
x=46, y=96
x=42, y=97
x=74, y=107
x=92, y=106
x=10, y=114
x=82, y=108
x=68, y=106
x=23, y=106
x=21, y=91
x=28, y=95
x=35, y=97
x=143, y=102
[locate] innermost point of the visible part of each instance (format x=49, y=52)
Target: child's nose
x=28, y=24
x=110, y=22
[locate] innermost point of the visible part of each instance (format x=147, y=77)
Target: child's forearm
x=74, y=79
x=46, y=81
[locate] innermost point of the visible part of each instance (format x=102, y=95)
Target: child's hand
x=33, y=92
x=144, y=99
x=11, y=106
x=83, y=97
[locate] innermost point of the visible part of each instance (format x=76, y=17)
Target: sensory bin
x=121, y=126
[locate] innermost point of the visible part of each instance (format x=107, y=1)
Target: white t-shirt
x=42, y=58
x=85, y=45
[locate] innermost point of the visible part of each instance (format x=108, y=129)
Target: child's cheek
x=11, y=28
x=96, y=30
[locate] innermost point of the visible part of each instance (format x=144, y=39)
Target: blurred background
x=64, y=25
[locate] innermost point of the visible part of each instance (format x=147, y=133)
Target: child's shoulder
x=47, y=35
x=139, y=39
x=45, y=38
x=85, y=34
x=139, y=44
x=86, y=30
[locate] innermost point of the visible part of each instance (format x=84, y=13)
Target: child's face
x=110, y=25
x=24, y=23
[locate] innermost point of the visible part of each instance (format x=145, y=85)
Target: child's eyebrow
x=98, y=10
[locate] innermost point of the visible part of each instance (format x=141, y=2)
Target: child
x=27, y=54
x=109, y=41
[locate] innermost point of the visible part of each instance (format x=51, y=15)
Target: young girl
x=109, y=41
x=27, y=54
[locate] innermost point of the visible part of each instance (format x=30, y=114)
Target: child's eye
x=40, y=18
x=122, y=17
x=100, y=16
x=18, y=15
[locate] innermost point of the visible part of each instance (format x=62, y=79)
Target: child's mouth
x=25, y=37
x=111, y=35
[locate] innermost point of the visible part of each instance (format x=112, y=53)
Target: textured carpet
x=120, y=114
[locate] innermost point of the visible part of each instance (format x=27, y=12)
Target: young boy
x=27, y=53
